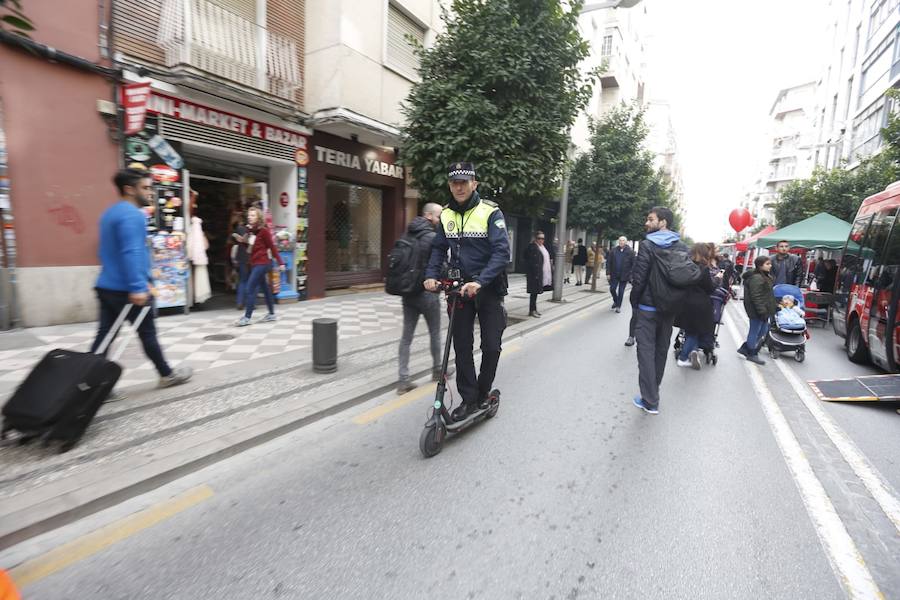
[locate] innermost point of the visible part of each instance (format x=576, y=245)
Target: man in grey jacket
x=786, y=267
x=426, y=304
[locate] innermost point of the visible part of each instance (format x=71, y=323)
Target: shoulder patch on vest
x=490, y=203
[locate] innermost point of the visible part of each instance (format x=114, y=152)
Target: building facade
x=862, y=62
x=789, y=148
x=52, y=191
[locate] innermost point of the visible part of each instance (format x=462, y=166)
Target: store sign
x=368, y=163
x=134, y=102
x=220, y=119
x=164, y=174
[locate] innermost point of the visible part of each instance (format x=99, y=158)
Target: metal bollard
x=324, y=345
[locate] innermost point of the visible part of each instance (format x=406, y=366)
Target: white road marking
x=881, y=490
x=840, y=549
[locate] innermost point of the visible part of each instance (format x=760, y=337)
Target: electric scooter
x=440, y=423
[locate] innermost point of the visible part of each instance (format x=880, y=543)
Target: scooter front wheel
x=431, y=441
x=495, y=404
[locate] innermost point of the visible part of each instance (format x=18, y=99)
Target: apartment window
x=834, y=104
x=401, y=53
x=849, y=96
x=856, y=45
x=881, y=12
x=867, y=130
x=606, y=48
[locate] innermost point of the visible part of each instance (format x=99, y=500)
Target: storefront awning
x=743, y=245
x=819, y=231
x=346, y=123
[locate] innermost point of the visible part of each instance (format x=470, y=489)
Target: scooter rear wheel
x=495, y=405
x=431, y=441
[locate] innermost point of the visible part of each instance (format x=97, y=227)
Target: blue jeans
x=258, y=279
x=243, y=277
x=617, y=291
x=691, y=343
x=755, y=335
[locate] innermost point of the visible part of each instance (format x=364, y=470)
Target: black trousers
x=488, y=307
x=111, y=304
x=532, y=304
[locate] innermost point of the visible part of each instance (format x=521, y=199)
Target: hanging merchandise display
x=302, y=227
x=167, y=217
x=7, y=242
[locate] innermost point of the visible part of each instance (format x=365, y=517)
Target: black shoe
x=618, y=310
x=756, y=359
x=629, y=341
x=462, y=412
x=534, y=314
x=743, y=350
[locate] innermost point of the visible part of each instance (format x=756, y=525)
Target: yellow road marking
x=59, y=558
x=510, y=349
x=379, y=411
x=553, y=329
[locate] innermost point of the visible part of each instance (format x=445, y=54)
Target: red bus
x=867, y=290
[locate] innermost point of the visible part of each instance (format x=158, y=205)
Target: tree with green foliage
x=613, y=185
x=12, y=18
x=500, y=87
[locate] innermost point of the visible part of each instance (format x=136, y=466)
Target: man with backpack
x=662, y=272
x=406, y=274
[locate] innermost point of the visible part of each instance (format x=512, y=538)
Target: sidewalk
x=154, y=436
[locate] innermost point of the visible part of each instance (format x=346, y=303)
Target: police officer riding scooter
x=474, y=231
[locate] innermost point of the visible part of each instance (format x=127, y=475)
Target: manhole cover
x=218, y=337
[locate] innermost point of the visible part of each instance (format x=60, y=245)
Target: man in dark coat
x=786, y=267
x=579, y=260
x=618, y=271
x=537, y=271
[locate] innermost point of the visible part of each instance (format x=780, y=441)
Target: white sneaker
x=683, y=363
x=695, y=360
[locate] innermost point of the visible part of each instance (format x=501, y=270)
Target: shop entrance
x=354, y=222
x=224, y=192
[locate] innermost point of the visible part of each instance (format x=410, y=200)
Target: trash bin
x=324, y=345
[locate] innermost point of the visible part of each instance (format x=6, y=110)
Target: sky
x=720, y=65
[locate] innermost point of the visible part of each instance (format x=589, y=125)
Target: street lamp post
x=559, y=272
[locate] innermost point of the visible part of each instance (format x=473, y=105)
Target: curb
x=62, y=502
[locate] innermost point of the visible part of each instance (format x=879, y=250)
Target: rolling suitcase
x=61, y=395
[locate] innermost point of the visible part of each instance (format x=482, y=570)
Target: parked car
x=867, y=290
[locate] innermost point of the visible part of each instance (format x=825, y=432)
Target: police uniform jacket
x=475, y=233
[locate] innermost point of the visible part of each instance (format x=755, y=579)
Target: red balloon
x=752, y=221
x=739, y=219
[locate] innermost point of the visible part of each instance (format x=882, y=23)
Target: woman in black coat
x=536, y=256
x=696, y=316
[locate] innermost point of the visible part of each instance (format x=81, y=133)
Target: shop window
x=353, y=234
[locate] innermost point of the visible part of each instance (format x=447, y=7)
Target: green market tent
x=819, y=231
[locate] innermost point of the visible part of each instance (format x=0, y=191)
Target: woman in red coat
x=262, y=250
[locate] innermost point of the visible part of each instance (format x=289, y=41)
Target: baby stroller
x=719, y=298
x=782, y=339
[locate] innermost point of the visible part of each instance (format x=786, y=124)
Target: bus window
x=874, y=249
x=852, y=260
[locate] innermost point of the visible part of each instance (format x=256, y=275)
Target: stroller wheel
x=800, y=356
x=714, y=359
x=774, y=353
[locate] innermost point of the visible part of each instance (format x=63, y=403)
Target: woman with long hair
x=262, y=251
x=696, y=316
x=760, y=304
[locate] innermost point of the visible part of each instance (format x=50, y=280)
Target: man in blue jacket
x=618, y=271
x=125, y=269
x=653, y=329
x=474, y=231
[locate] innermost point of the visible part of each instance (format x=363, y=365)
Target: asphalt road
x=570, y=492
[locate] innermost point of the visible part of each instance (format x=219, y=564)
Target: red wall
x=61, y=157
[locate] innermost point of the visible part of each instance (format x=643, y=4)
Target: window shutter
x=399, y=51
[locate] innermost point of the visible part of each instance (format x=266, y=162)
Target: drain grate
x=218, y=337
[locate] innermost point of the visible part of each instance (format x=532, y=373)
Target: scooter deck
x=457, y=425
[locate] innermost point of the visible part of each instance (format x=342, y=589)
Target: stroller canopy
x=783, y=289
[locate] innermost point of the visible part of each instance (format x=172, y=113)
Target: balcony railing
x=205, y=36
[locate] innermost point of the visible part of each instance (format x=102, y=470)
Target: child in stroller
x=787, y=329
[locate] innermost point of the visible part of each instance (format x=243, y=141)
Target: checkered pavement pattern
x=182, y=337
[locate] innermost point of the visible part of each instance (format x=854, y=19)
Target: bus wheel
x=856, y=349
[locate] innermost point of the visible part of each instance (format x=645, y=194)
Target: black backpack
x=671, y=274
x=405, y=267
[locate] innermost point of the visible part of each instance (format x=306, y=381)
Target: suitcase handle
x=117, y=325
